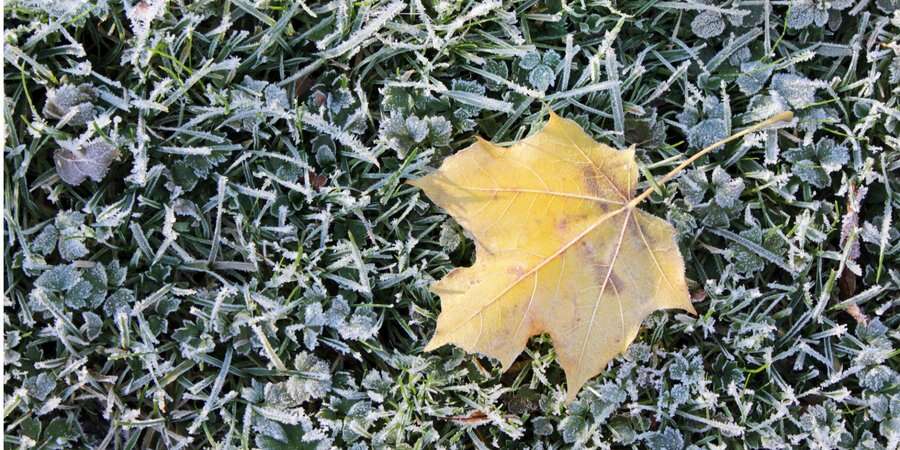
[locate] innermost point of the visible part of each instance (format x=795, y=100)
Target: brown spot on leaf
x=564, y=223
x=590, y=181
x=640, y=236
x=651, y=240
x=616, y=282
x=606, y=275
x=518, y=271
x=588, y=249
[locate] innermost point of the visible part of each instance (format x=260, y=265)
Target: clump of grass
x=209, y=242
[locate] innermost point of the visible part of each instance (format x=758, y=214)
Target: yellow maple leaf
x=561, y=248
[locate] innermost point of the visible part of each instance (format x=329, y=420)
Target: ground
x=209, y=241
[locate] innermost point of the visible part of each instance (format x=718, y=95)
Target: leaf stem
x=780, y=117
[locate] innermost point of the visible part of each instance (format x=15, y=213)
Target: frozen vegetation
x=210, y=244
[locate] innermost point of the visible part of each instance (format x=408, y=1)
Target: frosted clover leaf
x=887, y=411
x=753, y=77
x=314, y=382
x=878, y=378
x=888, y=6
x=72, y=102
x=59, y=278
x=706, y=133
x=339, y=99
x=378, y=385
x=67, y=10
x=93, y=325
x=260, y=102
x=541, y=70
x=289, y=429
x=804, y=13
x=609, y=397
x=361, y=325
x=76, y=163
x=45, y=242
x=188, y=171
x=708, y=24
x=404, y=134
x=798, y=90
x=742, y=55
x=91, y=290
x=449, y=238
x=702, y=133
x=812, y=119
x=746, y=260
x=762, y=106
x=668, y=439
x=497, y=68
x=813, y=164
x=41, y=386
x=825, y=426
x=121, y=300
x=727, y=190
x=693, y=184
x=70, y=242
x=572, y=426
x=465, y=112
x=687, y=369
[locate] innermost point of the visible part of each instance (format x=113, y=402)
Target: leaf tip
x=433, y=344
x=689, y=307
x=572, y=391
x=506, y=362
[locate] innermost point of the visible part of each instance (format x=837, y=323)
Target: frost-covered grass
x=209, y=242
